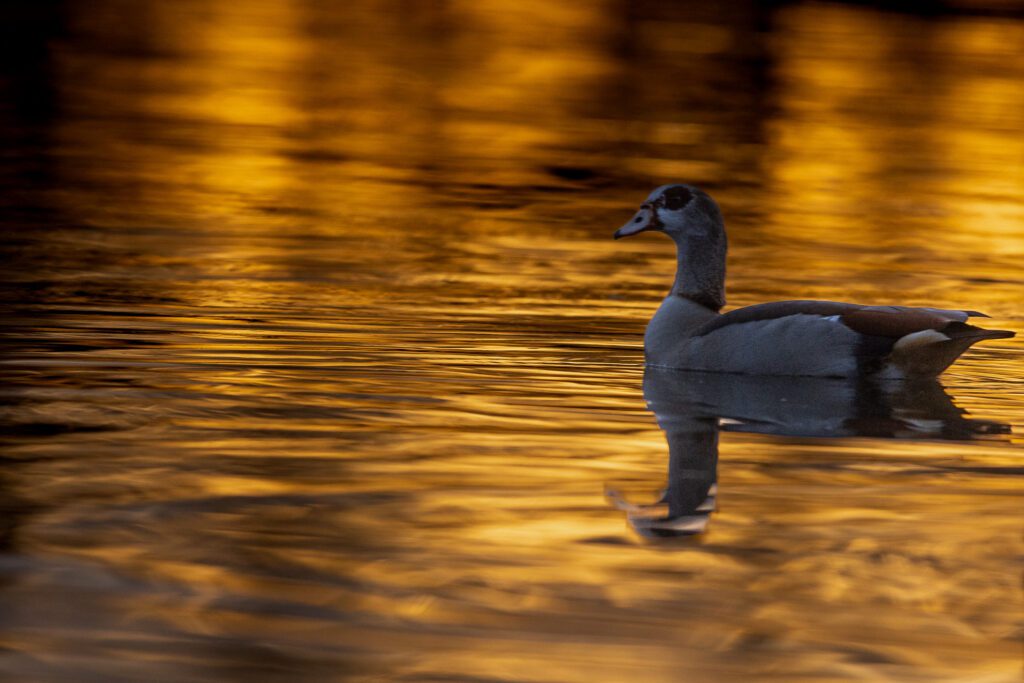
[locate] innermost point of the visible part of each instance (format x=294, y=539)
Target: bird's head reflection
x=693, y=407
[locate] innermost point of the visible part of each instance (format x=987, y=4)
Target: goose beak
x=643, y=220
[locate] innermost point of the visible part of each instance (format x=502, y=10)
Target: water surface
x=319, y=359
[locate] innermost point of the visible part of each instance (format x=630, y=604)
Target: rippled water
x=320, y=363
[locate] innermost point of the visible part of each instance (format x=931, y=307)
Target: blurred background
x=318, y=355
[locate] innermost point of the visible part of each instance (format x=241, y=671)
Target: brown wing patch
x=893, y=323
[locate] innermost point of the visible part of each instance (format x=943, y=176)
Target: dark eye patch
x=676, y=198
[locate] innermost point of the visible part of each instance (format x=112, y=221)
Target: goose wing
x=922, y=341
x=884, y=321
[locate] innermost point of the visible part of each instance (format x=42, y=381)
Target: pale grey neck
x=700, y=271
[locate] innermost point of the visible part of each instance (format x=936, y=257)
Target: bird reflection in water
x=693, y=407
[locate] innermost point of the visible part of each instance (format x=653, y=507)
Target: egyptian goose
x=809, y=338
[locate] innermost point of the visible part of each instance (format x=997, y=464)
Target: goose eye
x=677, y=197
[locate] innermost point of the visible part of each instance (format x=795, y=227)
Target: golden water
x=319, y=359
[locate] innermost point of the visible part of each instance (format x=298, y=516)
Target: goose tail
x=927, y=353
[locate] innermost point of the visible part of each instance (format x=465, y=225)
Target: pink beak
x=643, y=220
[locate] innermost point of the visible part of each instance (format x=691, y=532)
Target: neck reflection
x=693, y=407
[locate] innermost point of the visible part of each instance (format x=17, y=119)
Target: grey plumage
x=812, y=338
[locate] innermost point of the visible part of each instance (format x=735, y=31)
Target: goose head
x=694, y=222
x=679, y=211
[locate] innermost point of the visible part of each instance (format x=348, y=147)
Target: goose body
x=799, y=338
